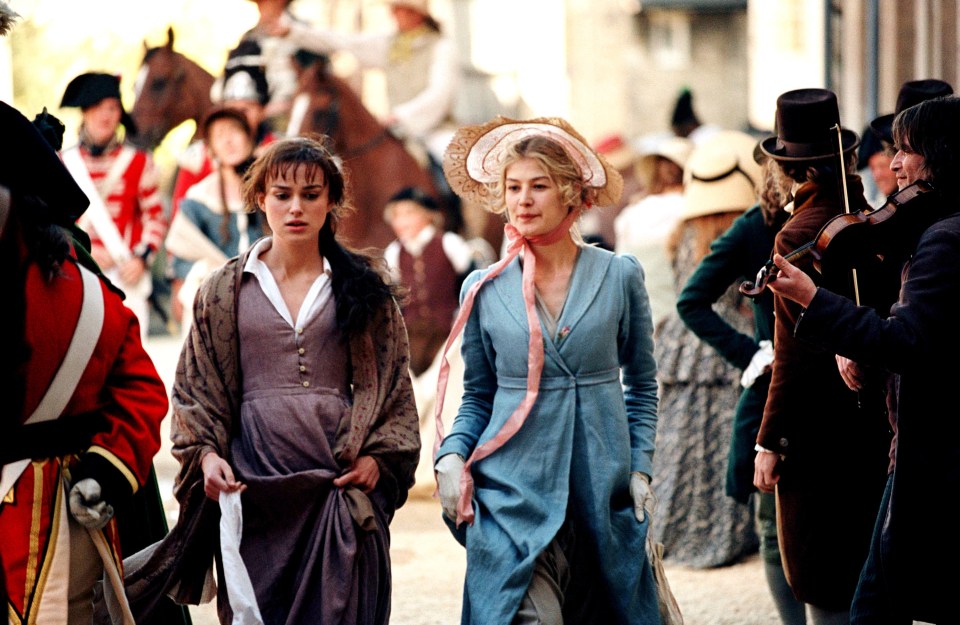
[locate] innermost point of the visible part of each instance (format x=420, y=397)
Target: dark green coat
x=734, y=256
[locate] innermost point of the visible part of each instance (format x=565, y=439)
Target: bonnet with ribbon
x=473, y=164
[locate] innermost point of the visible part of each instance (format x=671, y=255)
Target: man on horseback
x=419, y=62
x=421, y=70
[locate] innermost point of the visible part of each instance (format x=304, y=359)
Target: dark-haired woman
x=293, y=388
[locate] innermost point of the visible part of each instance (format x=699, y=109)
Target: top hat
x=911, y=92
x=807, y=121
x=34, y=168
x=88, y=89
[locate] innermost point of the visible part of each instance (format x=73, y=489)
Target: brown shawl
x=206, y=398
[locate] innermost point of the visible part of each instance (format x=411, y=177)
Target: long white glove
x=759, y=364
x=87, y=505
x=644, y=500
x=449, y=468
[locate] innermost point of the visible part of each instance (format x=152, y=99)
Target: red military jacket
x=133, y=199
x=120, y=382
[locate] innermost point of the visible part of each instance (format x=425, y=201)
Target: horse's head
x=318, y=107
x=170, y=89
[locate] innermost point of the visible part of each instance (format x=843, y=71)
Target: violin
x=877, y=231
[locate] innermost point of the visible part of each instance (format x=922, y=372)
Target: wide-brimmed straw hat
x=911, y=93
x=474, y=158
x=721, y=175
x=806, y=127
x=675, y=149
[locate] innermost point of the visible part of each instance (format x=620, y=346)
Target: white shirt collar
x=416, y=244
x=321, y=291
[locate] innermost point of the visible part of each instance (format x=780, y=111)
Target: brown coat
x=206, y=398
x=834, y=443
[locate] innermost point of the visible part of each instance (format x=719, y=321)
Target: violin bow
x=846, y=203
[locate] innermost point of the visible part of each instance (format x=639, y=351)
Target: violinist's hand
x=792, y=283
x=103, y=259
x=132, y=270
x=274, y=26
x=853, y=376
x=765, y=476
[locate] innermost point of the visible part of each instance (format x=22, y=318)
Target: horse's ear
x=170, y=37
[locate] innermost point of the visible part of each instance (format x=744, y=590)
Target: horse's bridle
x=328, y=118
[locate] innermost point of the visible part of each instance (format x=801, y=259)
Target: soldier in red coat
x=125, y=221
x=83, y=400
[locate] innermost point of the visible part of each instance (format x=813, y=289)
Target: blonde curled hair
x=561, y=169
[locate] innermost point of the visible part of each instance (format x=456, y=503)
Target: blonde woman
x=545, y=472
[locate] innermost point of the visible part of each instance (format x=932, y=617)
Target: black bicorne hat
x=88, y=89
x=416, y=195
x=34, y=168
x=911, y=93
x=806, y=127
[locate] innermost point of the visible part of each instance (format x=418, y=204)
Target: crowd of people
x=705, y=371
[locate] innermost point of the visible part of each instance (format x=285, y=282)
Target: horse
x=170, y=89
x=378, y=162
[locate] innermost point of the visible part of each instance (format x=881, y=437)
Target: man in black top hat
x=911, y=93
x=126, y=221
x=907, y=577
x=876, y=150
x=814, y=429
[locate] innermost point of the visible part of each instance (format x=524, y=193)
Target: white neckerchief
x=321, y=291
x=793, y=194
x=417, y=243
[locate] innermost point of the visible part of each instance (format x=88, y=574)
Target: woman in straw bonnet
x=545, y=473
x=697, y=523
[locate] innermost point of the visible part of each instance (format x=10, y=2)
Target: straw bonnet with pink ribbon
x=473, y=164
x=473, y=161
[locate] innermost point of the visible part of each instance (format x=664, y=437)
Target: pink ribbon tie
x=534, y=354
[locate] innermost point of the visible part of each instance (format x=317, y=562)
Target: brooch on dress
x=562, y=334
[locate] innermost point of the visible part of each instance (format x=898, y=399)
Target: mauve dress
x=308, y=559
